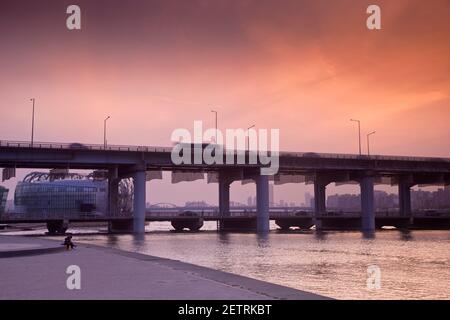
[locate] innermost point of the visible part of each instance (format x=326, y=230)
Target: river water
x=411, y=265
x=414, y=265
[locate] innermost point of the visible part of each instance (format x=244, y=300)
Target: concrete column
x=224, y=197
x=320, y=206
x=404, y=198
x=113, y=196
x=367, y=204
x=139, y=202
x=320, y=197
x=262, y=203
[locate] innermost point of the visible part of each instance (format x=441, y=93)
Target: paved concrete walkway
x=11, y=246
x=113, y=274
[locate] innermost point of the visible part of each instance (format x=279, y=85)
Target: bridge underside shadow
x=356, y=224
x=301, y=223
x=121, y=226
x=239, y=224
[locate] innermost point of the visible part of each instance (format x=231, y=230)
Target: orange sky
x=304, y=67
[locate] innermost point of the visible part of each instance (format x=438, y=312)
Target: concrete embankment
x=108, y=273
x=12, y=246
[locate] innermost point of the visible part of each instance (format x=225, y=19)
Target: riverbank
x=108, y=273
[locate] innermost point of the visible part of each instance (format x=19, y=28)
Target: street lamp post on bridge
x=215, y=112
x=359, y=133
x=104, y=132
x=248, y=137
x=368, y=142
x=32, y=123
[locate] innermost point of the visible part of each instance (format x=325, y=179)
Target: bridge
x=138, y=162
x=244, y=218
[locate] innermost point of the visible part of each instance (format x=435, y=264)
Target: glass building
x=62, y=196
x=3, y=198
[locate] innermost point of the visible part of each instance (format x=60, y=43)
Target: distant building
x=3, y=199
x=420, y=200
x=439, y=199
x=344, y=202
x=236, y=204
x=382, y=200
x=385, y=201
x=309, y=200
x=64, y=194
x=9, y=205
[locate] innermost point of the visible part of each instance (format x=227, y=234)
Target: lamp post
x=368, y=142
x=215, y=112
x=104, y=132
x=32, y=123
x=248, y=136
x=359, y=133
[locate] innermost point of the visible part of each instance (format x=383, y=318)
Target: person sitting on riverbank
x=68, y=243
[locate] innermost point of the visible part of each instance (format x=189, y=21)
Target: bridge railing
x=81, y=146
x=199, y=214
x=358, y=157
x=213, y=213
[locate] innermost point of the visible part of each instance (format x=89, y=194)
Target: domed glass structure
x=66, y=195
x=3, y=198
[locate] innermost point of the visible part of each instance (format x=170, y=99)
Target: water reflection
x=406, y=235
x=414, y=264
x=262, y=239
x=368, y=235
x=138, y=241
x=224, y=237
x=320, y=235
x=112, y=240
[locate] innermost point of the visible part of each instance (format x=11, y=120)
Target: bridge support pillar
x=262, y=199
x=224, y=197
x=224, y=200
x=139, y=202
x=320, y=187
x=367, y=204
x=404, y=198
x=113, y=195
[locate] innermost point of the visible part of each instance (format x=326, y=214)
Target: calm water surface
x=413, y=265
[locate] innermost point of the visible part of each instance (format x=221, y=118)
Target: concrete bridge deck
x=320, y=169
x=23, y=154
